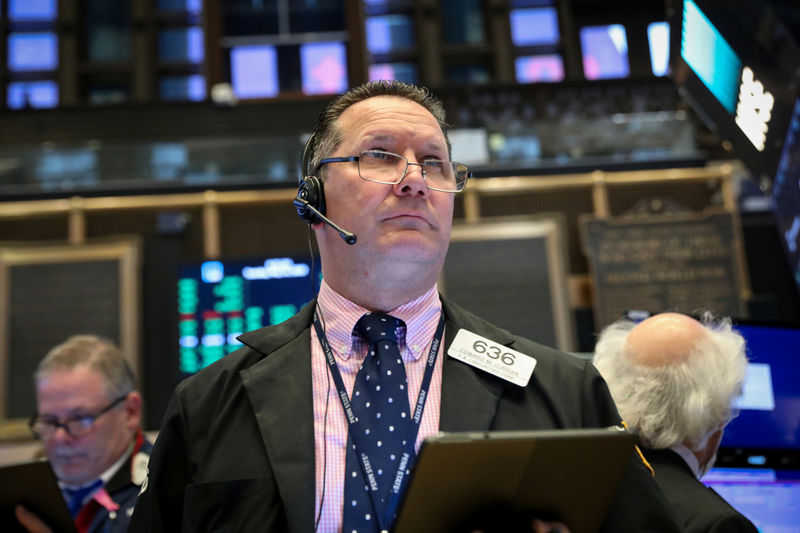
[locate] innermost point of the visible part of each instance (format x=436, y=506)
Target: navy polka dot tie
x=380, y=403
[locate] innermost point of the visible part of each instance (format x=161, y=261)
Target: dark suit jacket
x=698, y=508
x=236, y=447
x=123, y=491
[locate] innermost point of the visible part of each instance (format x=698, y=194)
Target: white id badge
x=492, y=357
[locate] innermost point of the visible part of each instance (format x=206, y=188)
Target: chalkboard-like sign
x=664, y=263
x=47, y=294
x=512, y=273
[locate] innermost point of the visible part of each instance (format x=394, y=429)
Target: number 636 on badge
x=492, y=357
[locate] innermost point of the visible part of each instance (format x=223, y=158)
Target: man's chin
x=413, y=248
x=73, y=473
x=414, y=240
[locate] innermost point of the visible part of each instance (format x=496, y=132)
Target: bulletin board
x=47, y=294
x=513, y=273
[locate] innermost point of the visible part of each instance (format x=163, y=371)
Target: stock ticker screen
x=219, y=300
x=785, y=197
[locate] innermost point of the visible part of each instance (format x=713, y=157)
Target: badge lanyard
x=384, y=519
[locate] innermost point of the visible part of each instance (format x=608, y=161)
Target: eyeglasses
x=76, y=426
x=385, y=167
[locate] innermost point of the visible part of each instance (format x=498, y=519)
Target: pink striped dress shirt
x=339, y=316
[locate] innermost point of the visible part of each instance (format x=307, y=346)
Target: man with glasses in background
x=315, y=423
x=88, y=420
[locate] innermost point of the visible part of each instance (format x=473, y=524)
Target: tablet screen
x=32, y=484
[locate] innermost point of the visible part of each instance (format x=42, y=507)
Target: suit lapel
x=469, y=396
x=279, y=388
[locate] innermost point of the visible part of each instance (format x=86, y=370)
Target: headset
x=310, y=199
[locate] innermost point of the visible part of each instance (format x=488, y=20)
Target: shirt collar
x=339, y=316
x=689, y=458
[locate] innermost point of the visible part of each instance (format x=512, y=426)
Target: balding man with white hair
x=674, y=380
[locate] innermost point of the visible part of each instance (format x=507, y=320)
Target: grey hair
x=97, y=353
x=684, y=401
x=327, y=135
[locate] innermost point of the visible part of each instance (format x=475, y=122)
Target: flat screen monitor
x=254, y=71
x=539, y=68
x=324, y=67
x=731, y=64
x=534, y=26
x=32, y=10
x=43, y=93
x=32, y=51
x=605, y=52
x=785, y=198
x=767, y=430
x=769, y=498
x=658, y=39
x=221, y=299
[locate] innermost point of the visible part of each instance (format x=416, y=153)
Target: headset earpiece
x=310, y=199
x=309, y=189
x=311, y=192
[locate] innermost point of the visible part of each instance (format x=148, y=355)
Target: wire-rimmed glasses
x=389, y=168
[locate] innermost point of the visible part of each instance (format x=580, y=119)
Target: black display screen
x=785, y=197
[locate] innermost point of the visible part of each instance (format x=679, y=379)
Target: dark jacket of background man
x=675, y=380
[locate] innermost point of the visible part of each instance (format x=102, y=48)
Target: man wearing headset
x=260, y=441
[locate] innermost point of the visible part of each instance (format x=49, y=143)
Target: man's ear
x=133, y=409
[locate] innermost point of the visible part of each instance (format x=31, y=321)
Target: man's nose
x=60, y=434
x=413, y=182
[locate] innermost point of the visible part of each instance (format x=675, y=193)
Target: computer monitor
x=769, y=498
x=766, y=432
x=221, y=299
x=736, y=63
x=785, y=197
